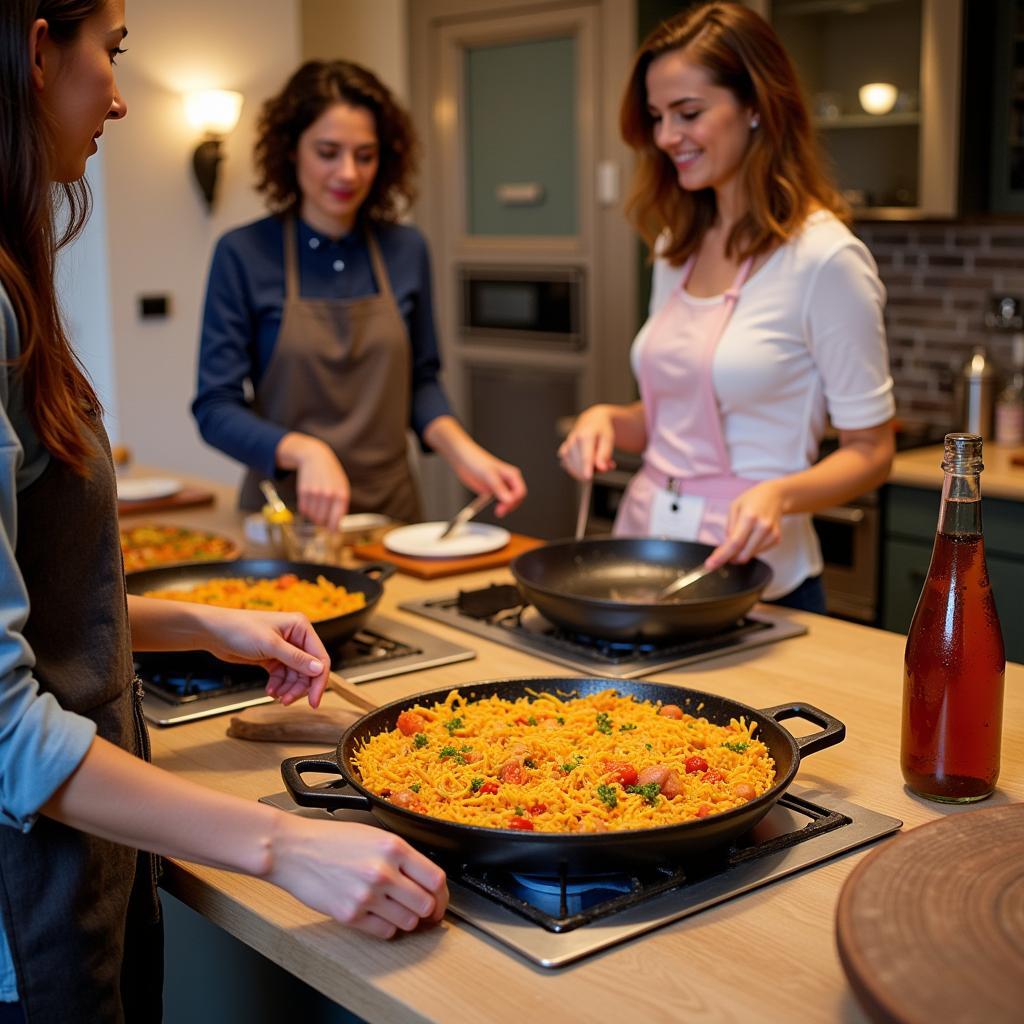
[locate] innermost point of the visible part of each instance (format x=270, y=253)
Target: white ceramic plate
x=146, y=488
x=422, y=540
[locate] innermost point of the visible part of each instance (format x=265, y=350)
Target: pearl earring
x=755, y=123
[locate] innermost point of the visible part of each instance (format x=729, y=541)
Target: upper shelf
x=868, y=121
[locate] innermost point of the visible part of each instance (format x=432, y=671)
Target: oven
x=850, y=538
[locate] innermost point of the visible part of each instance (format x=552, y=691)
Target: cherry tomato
x=695, y=764
x=522, y=824
x=489, y=787
x=409, y=723
x=625, y=774
x=538, y=809
x=713, y=775
x=671, y=711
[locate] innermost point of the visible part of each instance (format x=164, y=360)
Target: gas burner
x=499, y=613
x=556, y=920
x=185, y=685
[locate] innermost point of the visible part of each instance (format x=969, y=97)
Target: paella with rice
x=318, y=600
x=563, y=763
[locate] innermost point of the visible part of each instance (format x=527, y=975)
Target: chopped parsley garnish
x=604, y=723
x=451, y=752
x=476, y=784
x=519, y=812
x=528, y=762
x=531, y=720
x=420, y=741
x=606, y=794
x=737, y=746
x=649, y=746
x=466, y=749
x=629, y=727
x=415, y=787
x=560, y=720
x=650, y=791
x=455, y=723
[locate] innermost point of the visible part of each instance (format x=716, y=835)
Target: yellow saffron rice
x=549, y=763
x=318, y=601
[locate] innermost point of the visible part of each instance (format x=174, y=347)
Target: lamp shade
x=213, y=111
x=877, y=97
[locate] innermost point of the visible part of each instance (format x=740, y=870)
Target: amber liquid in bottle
x=955, y=661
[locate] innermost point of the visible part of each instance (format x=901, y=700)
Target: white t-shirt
x=805, y=344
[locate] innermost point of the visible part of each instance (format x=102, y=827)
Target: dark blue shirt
x=242, y=318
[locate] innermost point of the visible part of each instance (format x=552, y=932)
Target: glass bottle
x=955, y=663
x=1010, y=403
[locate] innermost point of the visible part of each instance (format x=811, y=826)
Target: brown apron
x=342, y=372
x=81, y=914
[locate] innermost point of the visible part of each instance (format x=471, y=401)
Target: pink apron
x=686, y=484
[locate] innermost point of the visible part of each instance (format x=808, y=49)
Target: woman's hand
x=321, y=484
x=283, y=643
x=364, y=877
x=590, y=444
x=476, y=467
x=754, y=524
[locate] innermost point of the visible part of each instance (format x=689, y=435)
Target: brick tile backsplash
x=940, y=282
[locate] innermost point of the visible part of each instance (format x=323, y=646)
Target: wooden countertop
x=769, y=954
x=922, y=467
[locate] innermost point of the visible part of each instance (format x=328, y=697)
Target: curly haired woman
x=325, y=308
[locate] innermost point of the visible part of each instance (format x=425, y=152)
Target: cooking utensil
x=279, y=518
x=467, y=512
x=581, y=516
x=366, y=580
x=275, y=723
x=684, y=581
x=546, y=852
x=603, y=587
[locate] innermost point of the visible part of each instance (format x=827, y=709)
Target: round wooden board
x=930, y=927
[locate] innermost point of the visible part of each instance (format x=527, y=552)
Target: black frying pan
x=334, y=631
x=604, y=587
x=581, y=853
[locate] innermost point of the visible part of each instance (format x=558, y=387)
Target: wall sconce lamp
x=215, y=113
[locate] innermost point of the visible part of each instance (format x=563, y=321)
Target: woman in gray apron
x=81, y=933
x=318, y=351
x=766, y=312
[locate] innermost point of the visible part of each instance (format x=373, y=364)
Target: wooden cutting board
x=433, y=568
x=187, y=497
x=930, y=927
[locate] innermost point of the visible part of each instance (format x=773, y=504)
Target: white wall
x=152, y=222
x=369, y=32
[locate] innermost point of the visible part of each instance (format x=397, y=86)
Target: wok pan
x=367, y=580
x=580, y=853
x=605, y=586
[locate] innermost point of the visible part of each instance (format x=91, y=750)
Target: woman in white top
x=765, y=318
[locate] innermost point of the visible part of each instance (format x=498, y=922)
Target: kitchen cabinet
x=895, y=156
x=910, y=517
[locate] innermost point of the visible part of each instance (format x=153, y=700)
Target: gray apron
x=81, y=914
x=342, y=372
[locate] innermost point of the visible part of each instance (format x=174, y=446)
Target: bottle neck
x=960, y=511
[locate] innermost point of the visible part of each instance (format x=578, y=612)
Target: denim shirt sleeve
x=41, y=744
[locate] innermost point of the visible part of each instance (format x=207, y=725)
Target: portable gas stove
x=498, y=613
x=554, y=921
x=186, y=685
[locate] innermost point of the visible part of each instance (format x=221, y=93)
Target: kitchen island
x=768, y=955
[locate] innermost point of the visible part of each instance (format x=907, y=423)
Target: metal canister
x=978, y=383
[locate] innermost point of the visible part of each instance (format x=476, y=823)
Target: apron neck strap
x=291, y=257
x=741, y=276
x=380, y=271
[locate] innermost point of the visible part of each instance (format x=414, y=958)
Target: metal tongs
x=467, y=512
x=683, y=581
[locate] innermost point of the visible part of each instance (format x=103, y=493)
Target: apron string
x=291, y=258
x=380, y=271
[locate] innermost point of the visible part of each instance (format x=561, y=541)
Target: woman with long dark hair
x=81, y=937
x=325, y=309
x=766, y=311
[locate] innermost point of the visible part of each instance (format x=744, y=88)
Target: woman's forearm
x=159, y=625
x=630, y=426
x=860, y=464
x=115, y=795
x=446, y=436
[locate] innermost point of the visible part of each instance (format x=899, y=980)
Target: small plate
x=422, y=540
x=146, y=488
